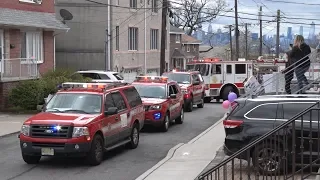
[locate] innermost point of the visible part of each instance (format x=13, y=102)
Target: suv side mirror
x=196, y=82
x=173, y=96
x=111, y=111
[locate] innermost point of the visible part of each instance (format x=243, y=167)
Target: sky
x=289, y=13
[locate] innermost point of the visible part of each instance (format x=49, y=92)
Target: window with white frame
x=133, y=4
x=154, y=36
x=155, y=6
x=178, y=38
x=32, y=46
x=133, y=39
x=188, y=48
x=194, y=48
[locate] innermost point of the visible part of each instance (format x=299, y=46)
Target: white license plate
x=47, y=151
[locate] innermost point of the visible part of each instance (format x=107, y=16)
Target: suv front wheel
x=95, y=155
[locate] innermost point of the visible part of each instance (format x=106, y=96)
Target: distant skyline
x=289, y=12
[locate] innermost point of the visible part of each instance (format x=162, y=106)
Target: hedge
x=28, y=94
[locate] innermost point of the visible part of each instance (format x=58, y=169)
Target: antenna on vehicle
x=66, y=15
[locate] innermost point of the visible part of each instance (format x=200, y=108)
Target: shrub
x=29, y=94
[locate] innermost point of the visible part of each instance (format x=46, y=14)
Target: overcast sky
x=289, y=12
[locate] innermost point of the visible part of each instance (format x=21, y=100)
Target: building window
x=155, y=6
x=133, y=39
x=154, y=36
x=188, y=48
x=32, y=46
x=194, y=48
x=133, y=4
x=178, y=38
x=117, y=38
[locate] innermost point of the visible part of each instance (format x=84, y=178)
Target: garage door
x=129, y=75
x=152, y=73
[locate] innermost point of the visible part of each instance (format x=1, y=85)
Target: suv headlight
x=155, y=107
x=25, y=130
x=80, y=131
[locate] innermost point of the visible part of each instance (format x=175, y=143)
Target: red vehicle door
x=174, y=102
x=197, y=88
x=110, y=123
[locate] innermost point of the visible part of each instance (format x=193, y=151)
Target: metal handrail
x=259, y=140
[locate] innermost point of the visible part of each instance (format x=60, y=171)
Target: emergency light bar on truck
x=102, y=86
x=155, y=79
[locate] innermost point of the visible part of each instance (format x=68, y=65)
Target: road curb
x=207, y=130
x=160, y=163
x=6, y=135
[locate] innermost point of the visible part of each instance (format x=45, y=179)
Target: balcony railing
x=18, y=69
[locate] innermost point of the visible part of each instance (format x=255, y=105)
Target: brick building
x=27, y=41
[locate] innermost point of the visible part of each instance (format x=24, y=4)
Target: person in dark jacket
x=288, y=73
x=299, y=56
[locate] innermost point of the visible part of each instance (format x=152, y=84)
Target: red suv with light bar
x=163, y=100
x=192, y=85
x=84, y=119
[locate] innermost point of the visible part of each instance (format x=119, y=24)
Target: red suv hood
x=184, y=86
x=151, y=101
x=61, y=118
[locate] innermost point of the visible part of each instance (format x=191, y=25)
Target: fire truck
x=222, y=77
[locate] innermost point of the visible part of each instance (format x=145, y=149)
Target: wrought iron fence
x=20, y=68
x=290, y=151
x=276, y=82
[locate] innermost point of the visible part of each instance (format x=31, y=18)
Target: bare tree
x=191, y=14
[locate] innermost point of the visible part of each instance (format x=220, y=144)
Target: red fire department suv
x=192, y=85
x=163, y=101
x=84, y=119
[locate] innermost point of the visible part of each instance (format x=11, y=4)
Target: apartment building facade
x=135, y=36
x=27, y=36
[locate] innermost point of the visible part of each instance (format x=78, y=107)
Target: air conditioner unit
x=37, y=1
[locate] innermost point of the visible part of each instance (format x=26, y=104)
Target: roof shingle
x=185, y=39
x=43, y=20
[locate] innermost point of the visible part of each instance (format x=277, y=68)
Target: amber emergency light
x=102, y=86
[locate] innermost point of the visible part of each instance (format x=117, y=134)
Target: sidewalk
x=10, y=124
x=187, y=161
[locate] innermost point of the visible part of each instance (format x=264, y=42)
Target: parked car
x=250, y=119
x=84, y=119
x=102, y=76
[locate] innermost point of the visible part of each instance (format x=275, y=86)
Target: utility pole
x=145, y=38
x=261, y=38
x=236, y=29
x=278, y=35
x=246, y=27
x=108, y=40
x=230, y=36
x=163, y=36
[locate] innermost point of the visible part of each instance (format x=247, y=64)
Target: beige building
x=135, y=36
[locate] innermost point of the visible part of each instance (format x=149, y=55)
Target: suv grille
x=48, y=131
x=146, y=108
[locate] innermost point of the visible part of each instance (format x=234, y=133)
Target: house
x=134, y=37
x=27, y=33
x=183, y=48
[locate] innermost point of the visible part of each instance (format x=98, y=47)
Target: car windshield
x=75, y=103
x=179, y=78
x=118, y=76
x=151, y=91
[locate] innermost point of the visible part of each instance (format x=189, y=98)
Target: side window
x=170, y=90
x=89, y=75
x=241, y=68
x=174, y=89
x=229, y=69
x=109, y=102
x=103, y=76
x=133, y=97
x=263, y=112
x=292, y=109
x=119, y=101
x=200, y=77
x=195, y=77
x=216, y=69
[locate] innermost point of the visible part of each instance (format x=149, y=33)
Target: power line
x=296, y=3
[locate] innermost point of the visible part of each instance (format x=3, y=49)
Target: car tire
x=134, y=137
x=180, y=119
x=31, y=159
x=95, y=155
x=201, y=105
x=166, y=123
x=189, y=106
x=226, y=92
x=275, y=162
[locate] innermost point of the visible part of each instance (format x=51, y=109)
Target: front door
x=173, y=102
x=1, y=50
x=111, y=123
x=197, y=89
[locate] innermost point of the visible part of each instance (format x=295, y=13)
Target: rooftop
x=186, y=39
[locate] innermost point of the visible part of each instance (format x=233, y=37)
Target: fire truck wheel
x=207, y=99
x=201, y=105
x=134, y=137
x=95, y=155
x=226, y=91
x=31, y=159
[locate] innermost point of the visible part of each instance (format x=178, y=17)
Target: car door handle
x=116, y=118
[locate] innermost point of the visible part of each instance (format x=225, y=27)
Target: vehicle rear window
x=118, y=76
x=179, y=78
x=263, y=111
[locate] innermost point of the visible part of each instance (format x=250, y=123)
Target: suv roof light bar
x=103, y=86
x=155, y=79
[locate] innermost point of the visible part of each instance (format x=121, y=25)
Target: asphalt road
x=119, y=164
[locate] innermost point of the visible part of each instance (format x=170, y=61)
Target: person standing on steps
x=299, y=56
x=288, y=73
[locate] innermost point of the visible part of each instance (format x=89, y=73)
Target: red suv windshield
x=151, y=91
x=179, y=78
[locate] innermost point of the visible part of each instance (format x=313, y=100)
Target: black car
x=250, y=119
